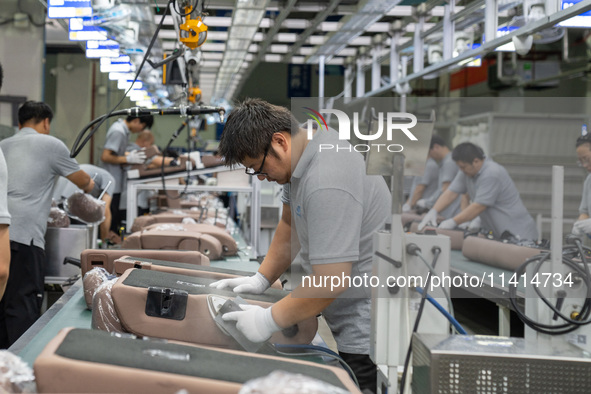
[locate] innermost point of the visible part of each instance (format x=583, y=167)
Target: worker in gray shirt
x=332, y=206
x=492, y=192
x=33, y=159
x=423, y=187
x=114, y=155
x=448, y=169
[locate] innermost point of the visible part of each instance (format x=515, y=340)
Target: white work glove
x=475, y=224
x=448, y=224
x=405, y=208
x=136, y=157
x=255, y=284
x=464, y=226
x=422, y=203
x=255, y=322
x=430, y=219
x=582, y=227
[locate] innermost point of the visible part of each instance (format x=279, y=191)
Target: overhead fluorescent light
x=99, y=49
x=84, y=29
x=582, y=21
x=68, y=8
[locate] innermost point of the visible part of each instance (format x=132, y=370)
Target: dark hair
x=250, y=127
x=148, y=120
x=436, y=140
x=37, y=111
x=467, y=152
x=584, y=139
x=1, y=76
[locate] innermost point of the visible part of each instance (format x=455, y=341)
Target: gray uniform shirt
x=64, y=188
x=429, y=179
x=493, y=187
x=586, y=198
x=4, y=215
x=117, y=140
x=336, y=208
x=33, y=161
x=447, y=172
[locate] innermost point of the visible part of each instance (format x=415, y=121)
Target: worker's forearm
x=444, y=200
x=111, y=157
x=470, y=213
x=278, y=258
x=291, y=310
x=583, y=216
x=4, y=258
x=417, y=194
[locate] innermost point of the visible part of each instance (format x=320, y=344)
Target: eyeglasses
x=252, y=172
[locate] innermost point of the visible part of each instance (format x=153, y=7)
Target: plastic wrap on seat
x=281, y=382
x=58, y=218
x=84, y=207
x=91, y=281
x=15, y=375
x=104, y=314
x=89, y=361
x=497, y=254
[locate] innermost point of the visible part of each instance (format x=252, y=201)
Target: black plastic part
x=166, y=303
x=73, y=261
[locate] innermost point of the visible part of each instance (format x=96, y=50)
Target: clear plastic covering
x=104, y=315
x=15, y=375
x=91, y=282
x=58, y=218
x=169, y=227
x=84, y=207
x=281, y=382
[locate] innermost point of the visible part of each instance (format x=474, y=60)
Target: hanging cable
x=78, y=146
x=570, y=256
x=445, y=313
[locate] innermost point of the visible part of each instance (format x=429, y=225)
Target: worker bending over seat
x=333, y=207
x=493, y=196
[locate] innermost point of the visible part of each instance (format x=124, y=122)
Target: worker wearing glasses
x=583, y=224
x=333, y=207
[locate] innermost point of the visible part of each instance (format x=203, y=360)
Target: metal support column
x=360, y=73
x=321, y=82
x=376, y=67
x=448, y=30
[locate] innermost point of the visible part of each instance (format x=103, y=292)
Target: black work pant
x=117, y=215
x=21, y=305
x=364, y=369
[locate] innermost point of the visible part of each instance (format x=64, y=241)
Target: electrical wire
x=317, y=351
x=445, y=313
x=569, y=324
x=174, y=136
x=445, y=292
x=182, y=14
x=78, y=146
